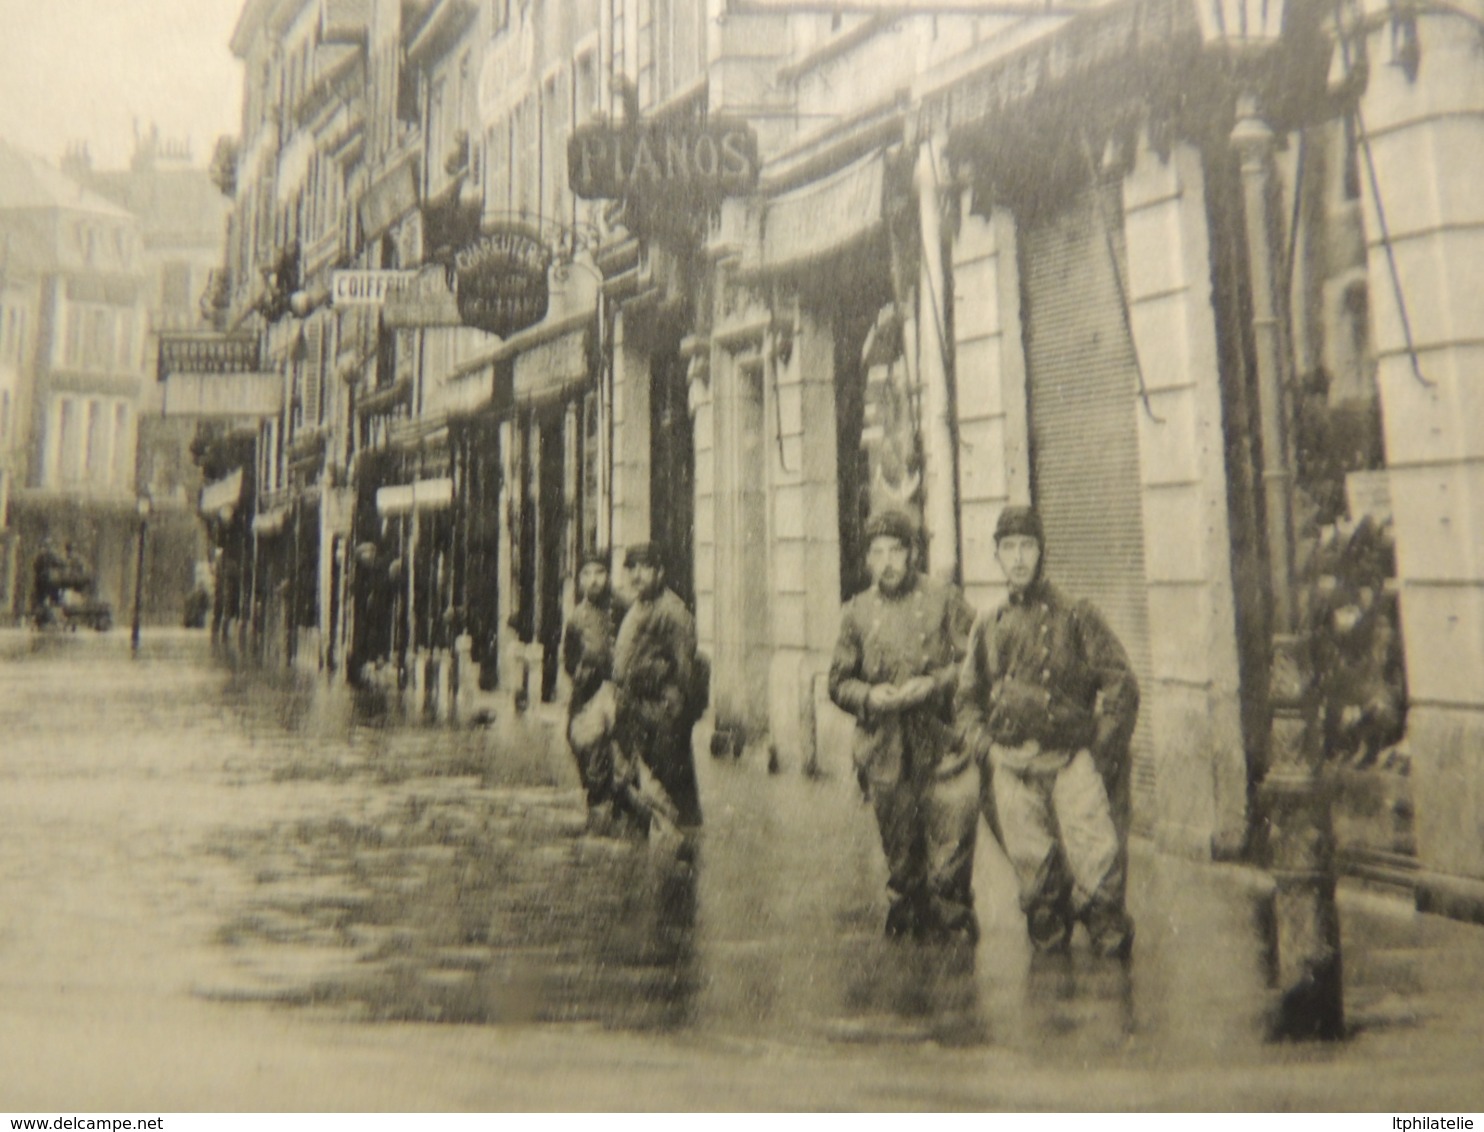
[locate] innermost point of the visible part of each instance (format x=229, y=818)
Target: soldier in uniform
x=894, y=669
x=1047, y=701
x=654, y=667
x=587, y=658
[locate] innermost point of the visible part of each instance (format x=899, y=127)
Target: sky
x=90, y=70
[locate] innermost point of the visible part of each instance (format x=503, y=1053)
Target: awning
x=225, y=492
x=391, y=196
x=551, y=368
x=825, y=216
x=231, y=395
x=420, y=495
x=266, y=523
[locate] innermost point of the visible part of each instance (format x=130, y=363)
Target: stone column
x=631, y=429
x=1425, y=127
x=804, y=523
x=1194, y=708
x=940, y=517
x=993, y=430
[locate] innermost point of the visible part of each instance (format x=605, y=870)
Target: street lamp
x=142, y=508
x=1300, y=829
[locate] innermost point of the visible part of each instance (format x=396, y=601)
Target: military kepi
x=643, y=554
x=891, y=523
x=1019, y=520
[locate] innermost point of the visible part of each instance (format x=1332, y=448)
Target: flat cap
x=1019, y=520
x=891, y=523
x=643, y=554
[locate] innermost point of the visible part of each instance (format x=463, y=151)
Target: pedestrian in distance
x=655, y=671
x=1047, y=702
x=894, y=669
x=608, y=779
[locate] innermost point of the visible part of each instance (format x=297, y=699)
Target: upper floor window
x=175, y=286
x=98, y=338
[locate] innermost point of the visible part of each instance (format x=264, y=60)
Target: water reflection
x=383, y=867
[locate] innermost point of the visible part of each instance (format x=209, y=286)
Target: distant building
x=74, y=318
x=182, y=225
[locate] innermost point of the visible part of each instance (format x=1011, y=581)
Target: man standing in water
x=894, y=669
x=654, y=668
x=587, y=658
x=1048, y=701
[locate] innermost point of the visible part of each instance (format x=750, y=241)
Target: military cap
x=1019, y=520
x=643, y=554
x=891, y=523
x=595, y=557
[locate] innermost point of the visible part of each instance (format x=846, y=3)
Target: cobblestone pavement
x=225, y=889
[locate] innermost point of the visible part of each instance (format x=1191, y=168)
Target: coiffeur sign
x=654, y=160
x=502, y=283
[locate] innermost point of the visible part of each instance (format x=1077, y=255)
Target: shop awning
x=825, y=216
x=548, y=369
x=391, y=196
x=409, y=498
x=266, y=523
x=225, y=492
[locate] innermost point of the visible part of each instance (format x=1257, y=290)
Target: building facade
x=804, y=264
x=74, y=325
x=182, y=222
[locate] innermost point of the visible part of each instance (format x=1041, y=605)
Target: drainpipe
x=940, y=511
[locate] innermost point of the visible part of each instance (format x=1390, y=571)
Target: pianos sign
x=502, y=283
x=654, y=159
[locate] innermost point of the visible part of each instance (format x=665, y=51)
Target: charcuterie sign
x=502, y=285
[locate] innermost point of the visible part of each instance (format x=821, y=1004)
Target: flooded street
x=237, y=890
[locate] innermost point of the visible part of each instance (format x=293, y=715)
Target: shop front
x=809, y=420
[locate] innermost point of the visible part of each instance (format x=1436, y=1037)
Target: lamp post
x=1300, y=829
x=142, y=508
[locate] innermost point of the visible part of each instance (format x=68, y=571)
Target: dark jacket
x=919, y=631
x=655, y=655
x=587, y=650
x=1042, y=668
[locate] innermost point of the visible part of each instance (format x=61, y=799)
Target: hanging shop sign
x=225, y=492
x=425, y=298
x=657, y=161
x=390, y=197
x=502, y=285
x=407, y=298
x=207, y=353
x=410, y=498
x=358, y=288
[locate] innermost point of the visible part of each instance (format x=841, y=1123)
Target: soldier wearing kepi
x=1047, y=699
x=894, y=669
x=654, y=667
x=587, y=658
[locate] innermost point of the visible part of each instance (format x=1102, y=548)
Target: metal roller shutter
x=1084, y=436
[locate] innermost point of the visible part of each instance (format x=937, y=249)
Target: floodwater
x=280, y=841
